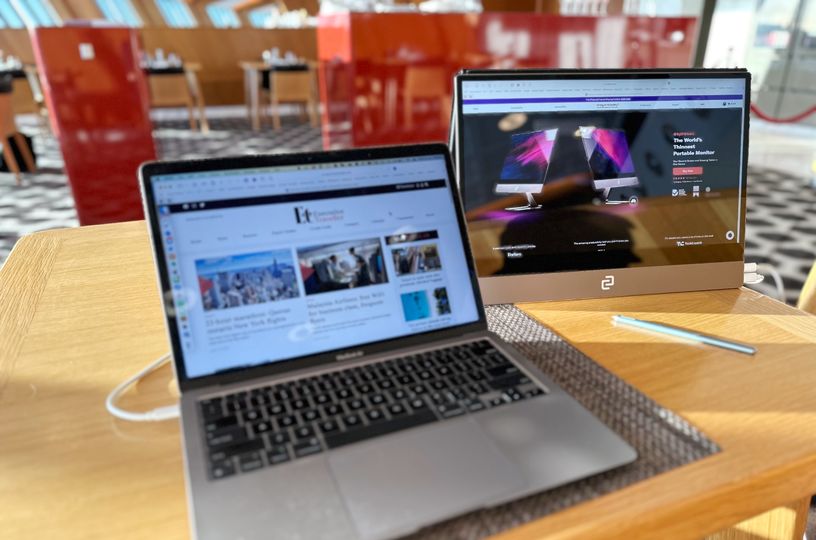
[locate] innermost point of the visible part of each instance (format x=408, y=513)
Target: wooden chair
x=293, y=87
x=180, y=89
x=27, y=96
x=807, y=298
x=8, y=130
x=426, y=82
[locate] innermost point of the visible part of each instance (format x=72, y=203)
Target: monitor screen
x=527, y=160
x=641, y=171
x=277, y=263
x=607, y=152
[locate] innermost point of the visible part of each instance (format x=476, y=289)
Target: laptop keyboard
x=269, y=425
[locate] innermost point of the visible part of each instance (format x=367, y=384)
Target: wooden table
x=252, y=85
x=79, y=312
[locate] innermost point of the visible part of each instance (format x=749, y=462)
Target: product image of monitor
x=640, y=188
x=610, y=161
x=525, y=167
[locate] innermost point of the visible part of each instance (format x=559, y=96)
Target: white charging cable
x=777, y=279
x=156, y=415
x=752, y=277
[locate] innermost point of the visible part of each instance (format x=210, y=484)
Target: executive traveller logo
x=306, y=215
x=607, y=283
x=303, y=214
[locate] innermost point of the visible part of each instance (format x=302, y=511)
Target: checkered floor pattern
x=43, y=201
x=781, y=229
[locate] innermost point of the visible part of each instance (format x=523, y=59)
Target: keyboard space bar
x=335, y=440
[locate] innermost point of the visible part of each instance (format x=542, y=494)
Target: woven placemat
x=662, y=439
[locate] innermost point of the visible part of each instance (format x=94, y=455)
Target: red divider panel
x=98, y=102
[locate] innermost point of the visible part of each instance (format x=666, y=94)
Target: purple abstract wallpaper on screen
x=530, y=156
x=612, y=146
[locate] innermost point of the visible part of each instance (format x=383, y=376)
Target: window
x=264, y=17
x=222, y=16
x=9, y=16
x=176, y=13
x=119, y=11
x=35, y=13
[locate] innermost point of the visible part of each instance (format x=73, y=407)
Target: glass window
x=119, y=11
x=9, y=15
x=35, y=12
x=222, y=16
x=176, y=13
x=264, y=17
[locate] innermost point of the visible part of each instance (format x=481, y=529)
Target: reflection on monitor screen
x=610, y=161
x=525, y=166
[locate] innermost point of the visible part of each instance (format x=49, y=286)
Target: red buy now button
x=687, y=171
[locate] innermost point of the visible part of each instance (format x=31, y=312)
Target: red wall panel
x=98, y=103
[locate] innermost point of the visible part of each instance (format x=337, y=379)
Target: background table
x=79, y=312
x=256, y=73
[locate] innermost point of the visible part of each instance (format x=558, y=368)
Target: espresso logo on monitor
x=607, y=282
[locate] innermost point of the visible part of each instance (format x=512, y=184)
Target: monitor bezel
x=570, y=284
x=335, y=356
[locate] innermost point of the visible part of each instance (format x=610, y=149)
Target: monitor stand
x=531, y=204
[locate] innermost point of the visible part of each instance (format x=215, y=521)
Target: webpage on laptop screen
x=563, y=175
x=272, y=264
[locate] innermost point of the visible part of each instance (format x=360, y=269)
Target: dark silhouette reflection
x=556, y=250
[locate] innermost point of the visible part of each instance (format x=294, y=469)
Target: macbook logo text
x=607, y=283
x=349, y=355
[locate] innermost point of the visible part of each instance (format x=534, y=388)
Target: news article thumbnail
x=442, y=302
x=343, y=265
x=415, y=305
x=247, y=279
x=416, y=259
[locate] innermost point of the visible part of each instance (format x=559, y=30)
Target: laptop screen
x=282, y=262
x=641, y=170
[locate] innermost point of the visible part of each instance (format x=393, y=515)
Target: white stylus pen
x=685, y=334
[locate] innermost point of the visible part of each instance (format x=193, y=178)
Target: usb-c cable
x=156, y=415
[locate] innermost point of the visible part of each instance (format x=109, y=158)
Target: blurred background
x=91, y=88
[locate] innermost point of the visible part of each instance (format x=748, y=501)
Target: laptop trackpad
x=394, y=485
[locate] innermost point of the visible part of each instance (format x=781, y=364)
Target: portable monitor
x=587, y=183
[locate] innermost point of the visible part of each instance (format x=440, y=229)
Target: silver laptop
x=336, y=373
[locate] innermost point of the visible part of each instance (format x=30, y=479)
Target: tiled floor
x=781, y=228
x=44, y=201
x=781, y=221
